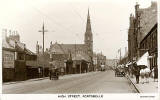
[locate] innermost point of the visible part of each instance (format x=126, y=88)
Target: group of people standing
x=144, y=73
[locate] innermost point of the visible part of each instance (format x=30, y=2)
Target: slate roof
x=66, y=48
x=29, y=52
x=78, y=51
x=10, y=44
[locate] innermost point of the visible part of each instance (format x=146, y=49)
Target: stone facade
x=140, y=25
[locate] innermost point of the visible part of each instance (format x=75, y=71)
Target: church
x=74, y=58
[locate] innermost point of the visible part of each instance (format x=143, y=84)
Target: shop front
x=8, y=64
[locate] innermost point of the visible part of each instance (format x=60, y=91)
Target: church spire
x=88, y=26
x=88, y=18
x=88, y=35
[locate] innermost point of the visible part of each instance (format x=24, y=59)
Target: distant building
x=124, y=59
x=95, y=61
x=101, y=60
x=111, y=62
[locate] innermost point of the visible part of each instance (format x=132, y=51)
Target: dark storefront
x=8, y=64
x=149, y=43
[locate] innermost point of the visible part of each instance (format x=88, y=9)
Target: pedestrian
x=62, y=71
x=132, y=71
x=129, y=70
x=116, y=71
x=136, y=72
x=152, y=72
x=142, y=74
x=50, y=73
x=39, y=72
x=155, y=74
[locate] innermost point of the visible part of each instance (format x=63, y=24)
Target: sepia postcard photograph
x=75, y=49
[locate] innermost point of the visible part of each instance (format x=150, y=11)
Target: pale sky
x=65, y=21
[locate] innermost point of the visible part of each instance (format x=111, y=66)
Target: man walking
x=137, y=73
x=50, y=74
x=155, y=73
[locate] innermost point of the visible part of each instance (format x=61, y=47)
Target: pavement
x=151, y=87
x=92, y=82
x=29, y=80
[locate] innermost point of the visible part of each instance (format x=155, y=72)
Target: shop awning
x=143, y=60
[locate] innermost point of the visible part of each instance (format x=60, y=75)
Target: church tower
x=88, y=36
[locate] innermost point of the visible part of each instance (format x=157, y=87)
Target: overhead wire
x=75, y=11
x=49, y=18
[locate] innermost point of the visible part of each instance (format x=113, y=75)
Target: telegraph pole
x=120, y=54
x=43, y=31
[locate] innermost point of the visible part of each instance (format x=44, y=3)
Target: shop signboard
x=8, y=59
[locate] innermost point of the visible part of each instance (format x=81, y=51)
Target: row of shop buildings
x=142, y=37
x=19, y=63
x=16, y=58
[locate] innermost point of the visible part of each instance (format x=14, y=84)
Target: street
x=93, y=82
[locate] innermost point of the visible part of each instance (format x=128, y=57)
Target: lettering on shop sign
x=8, y=59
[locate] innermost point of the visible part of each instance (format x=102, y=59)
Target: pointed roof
x=88, y=26
x=66, y=48
x=88, y=15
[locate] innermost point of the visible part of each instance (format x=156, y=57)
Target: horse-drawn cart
x=119, y=72
x=54, y=74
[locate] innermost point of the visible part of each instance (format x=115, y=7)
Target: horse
x=142, y=74
x=147, y=74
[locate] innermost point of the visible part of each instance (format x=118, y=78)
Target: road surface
x=93, y=82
